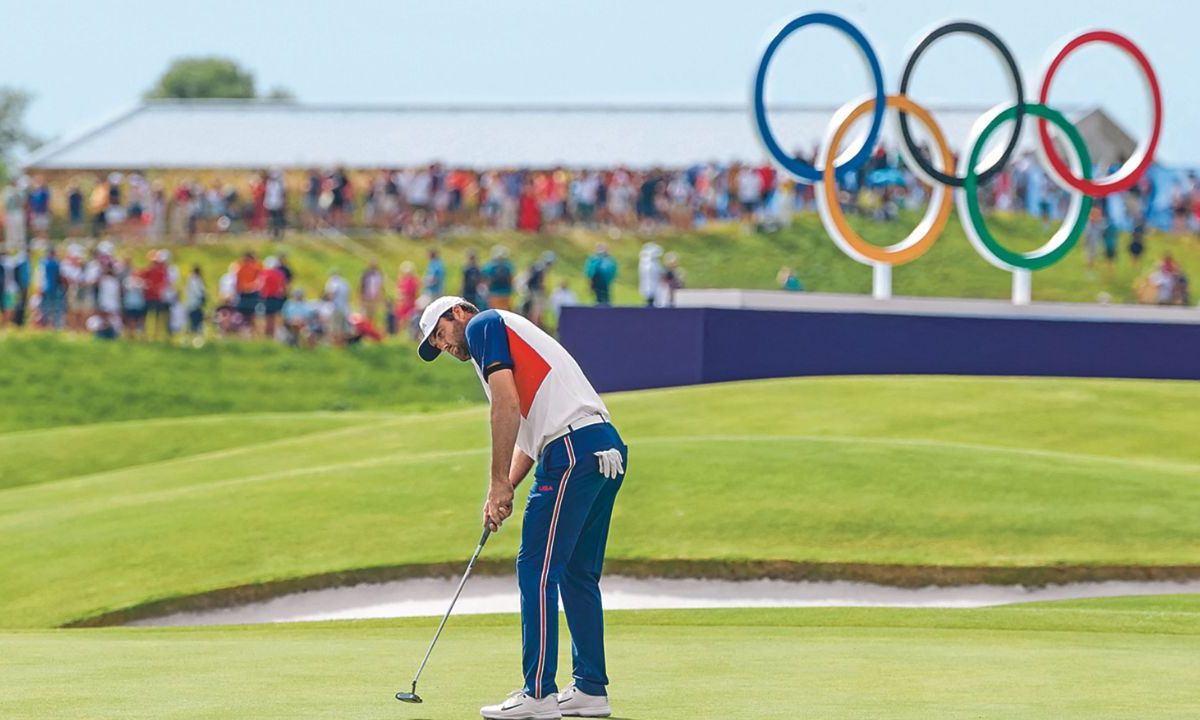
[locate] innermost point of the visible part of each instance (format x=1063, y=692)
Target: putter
x=413, y=697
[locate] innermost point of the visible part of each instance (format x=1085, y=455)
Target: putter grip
x=483, y=538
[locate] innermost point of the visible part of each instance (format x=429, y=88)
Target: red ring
x=1124, y=178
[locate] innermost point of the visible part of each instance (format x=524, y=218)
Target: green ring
x=1043, y=256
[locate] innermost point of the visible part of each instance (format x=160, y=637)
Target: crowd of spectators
x=433, y=199
x=423, y=201
x=112, y=295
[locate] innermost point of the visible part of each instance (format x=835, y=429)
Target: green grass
x=1129, y=658
x=51, y=380
x=945, y=471
x=725, y=255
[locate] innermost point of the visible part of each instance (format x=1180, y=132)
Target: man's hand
x=499, y=505
x=611, y=464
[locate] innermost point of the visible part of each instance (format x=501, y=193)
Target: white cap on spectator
x=429, y=320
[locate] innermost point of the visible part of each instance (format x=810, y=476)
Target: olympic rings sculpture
x=961, y=183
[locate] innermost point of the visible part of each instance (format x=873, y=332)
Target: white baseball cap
x=429, y=320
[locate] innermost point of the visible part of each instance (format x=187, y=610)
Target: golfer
x=543, y=408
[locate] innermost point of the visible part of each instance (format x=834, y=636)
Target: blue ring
x=799, y=168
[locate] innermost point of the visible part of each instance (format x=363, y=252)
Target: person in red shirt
x=407, y=287
x=156, y=281
x=529, y=211
x=258, y=193
x=272, y=290
x=361, y=327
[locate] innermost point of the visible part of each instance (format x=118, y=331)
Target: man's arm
x=521, y=465
x=506, y=420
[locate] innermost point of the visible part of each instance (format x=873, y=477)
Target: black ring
x=1006, y=55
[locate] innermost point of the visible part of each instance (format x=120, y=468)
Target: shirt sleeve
x=487, y=341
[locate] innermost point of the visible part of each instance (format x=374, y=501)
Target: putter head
x=408, y=697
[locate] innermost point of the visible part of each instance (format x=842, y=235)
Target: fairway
x=865, y=474
x=1123, y=658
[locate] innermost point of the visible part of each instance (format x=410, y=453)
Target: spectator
x=337, y=294
x=749, y=190
x=1094, y=235
x=407, y=288
x=499, y=274
x=39, y=208
x=472, y=283
x=74, y=208
x=435, y=275
x=247, y=287
x=788, y=280
x=312, y=200
x=360, y=329
x=134, y=302
x=21, y=267
x=108, y=295
x=672, y=280
x=102, y=328
x=182, y=220
x=195, y=297
x=286, y=269
x=1137, y=241
x=649, y=271
x=6, y=285
x=601, y=270
x=275, y=202
x=1110, y=240
x=155, y=283
x=227, y=287
x=562, y=297
x=53, y=291
x=529, y=210
x=272, y=285
x=370, y=289
x=297, y=319
x=14, y=215
x=158, y=212
x=535, y=289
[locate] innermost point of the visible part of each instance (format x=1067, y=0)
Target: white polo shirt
x=552, y=389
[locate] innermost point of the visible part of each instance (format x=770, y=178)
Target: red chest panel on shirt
x=529, y=370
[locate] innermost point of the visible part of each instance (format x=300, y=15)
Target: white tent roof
x=258, y=134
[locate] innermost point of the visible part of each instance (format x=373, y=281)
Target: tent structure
x=227, y=134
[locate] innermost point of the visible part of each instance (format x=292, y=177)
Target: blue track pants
x=563, y=537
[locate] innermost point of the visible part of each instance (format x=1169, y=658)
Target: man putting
x=543, y=407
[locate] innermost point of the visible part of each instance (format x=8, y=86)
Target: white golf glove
x=611, y=464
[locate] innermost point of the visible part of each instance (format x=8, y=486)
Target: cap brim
x=427, y=351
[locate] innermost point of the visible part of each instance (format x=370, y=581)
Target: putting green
x=935, y=471
x=1125, y=658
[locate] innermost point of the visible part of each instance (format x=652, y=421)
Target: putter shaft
x=482, y=539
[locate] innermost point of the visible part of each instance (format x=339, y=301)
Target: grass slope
x=731, y=256
x=51, y=380
x=948, y=471
x=1133, y=658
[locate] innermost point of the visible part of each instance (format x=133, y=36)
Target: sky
x=84, y=61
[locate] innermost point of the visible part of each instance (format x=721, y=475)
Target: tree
x=13, y=135
x=204, y=77
x=280, y=94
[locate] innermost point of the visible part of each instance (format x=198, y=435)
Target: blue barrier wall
x=635, y=348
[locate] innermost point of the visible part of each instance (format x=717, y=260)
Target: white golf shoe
x=519, y=706
x=573, y=702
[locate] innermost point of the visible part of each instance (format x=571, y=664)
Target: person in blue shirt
x=601, y=270
x=39, y=207
x=499, y=272
x=53, y=291
x=435, y=275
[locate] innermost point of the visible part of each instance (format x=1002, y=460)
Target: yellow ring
x=926, y=233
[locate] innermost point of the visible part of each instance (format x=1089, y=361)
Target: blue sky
x=86, y=60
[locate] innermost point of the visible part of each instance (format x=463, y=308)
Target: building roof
x=260, y=134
